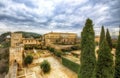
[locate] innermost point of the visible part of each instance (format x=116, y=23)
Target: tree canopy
x=117, y=61
x=108, y=38
x=87, y=58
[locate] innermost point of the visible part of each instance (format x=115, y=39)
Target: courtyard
x=57, y=69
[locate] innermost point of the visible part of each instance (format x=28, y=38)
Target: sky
x=43, y=16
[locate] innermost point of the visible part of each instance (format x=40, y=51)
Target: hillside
x=29, y=34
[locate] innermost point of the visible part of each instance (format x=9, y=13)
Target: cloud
x=57, y=15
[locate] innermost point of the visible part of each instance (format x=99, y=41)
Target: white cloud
x=59, y=15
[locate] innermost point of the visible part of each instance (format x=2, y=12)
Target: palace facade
x=60, y=38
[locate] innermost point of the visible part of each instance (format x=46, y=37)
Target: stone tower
x=16, y=39
x=16, y=49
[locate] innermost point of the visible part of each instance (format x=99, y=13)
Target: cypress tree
x=117, y=57
x=102, y=35
x=104, y=65
x=87, y=58
x=108, y=38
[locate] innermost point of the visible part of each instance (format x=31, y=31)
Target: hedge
x=71, y=65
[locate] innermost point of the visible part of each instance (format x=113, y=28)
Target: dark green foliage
x=87, y=59
x=104, y=65
x=58, y=53
x=3, y=36
x=67, y=49
x=117, y=61
x=102, y=35
x=45, y=66
x=71, y=65
x=76, y=47
x=52, y=49
x=108, y=38
x=28, y=59
x=5, y=44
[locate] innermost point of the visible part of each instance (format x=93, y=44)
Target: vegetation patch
x=45, y=66
x=71, y=65
x=28, y=59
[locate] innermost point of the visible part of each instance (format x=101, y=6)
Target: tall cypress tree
x=104, y=65
x=117, y=57
x=102, y=35
x=108, y=38
x=87, y=58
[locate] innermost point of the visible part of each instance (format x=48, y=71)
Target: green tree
x=88, y=60
x=28, y=59
x=117, y=61
x=45, y=66
x=102, y=35
x=108, y=38
x=104, y=65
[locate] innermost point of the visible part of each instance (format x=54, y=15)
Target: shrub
x=71, y=65
x=76, y=47
x=68, y=49
x=28, y=59
x=45, y=66
x=58, y=53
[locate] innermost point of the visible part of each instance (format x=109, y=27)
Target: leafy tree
x=104, y=65
x=102, y=35
x=108, y=38
x=87, y=59
x=117, y=61
x=28, y=59
x=45, y=66
x=3, y=36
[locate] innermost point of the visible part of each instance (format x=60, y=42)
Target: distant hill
x=29, y=34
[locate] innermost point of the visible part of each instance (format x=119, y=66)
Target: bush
x=45, y=66
x=52, y=49
x=58, y=53
x=68, y=49
x=28, y=59
x=71, y=65
x=76, y=47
